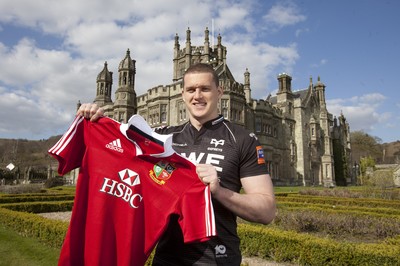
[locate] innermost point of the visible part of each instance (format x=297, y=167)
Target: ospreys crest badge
x=161, y=172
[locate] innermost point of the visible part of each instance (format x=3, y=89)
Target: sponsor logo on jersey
x=161, y=172
x=123, y=189
x=252, y=135
x=129, y=177
x=115, y=145
x=179, y=144
x=208, y=158
x=220, y=251
x=217, y=142
x=260, y=155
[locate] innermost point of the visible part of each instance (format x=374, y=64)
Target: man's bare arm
x=256, y=204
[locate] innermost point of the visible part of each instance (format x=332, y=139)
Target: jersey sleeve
x=69, y=150
x=252, y=161
x=197, y=218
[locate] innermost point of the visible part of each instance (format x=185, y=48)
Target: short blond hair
x=202, y=68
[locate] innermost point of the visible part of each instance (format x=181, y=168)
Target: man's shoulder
x=239, y=132
x=236, y=128
x=169, y=129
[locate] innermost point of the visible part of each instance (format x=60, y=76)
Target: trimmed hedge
x=40, y=197
x=256, y=240
x=340, y=209
x=340, y=225
x=40, y=207
x=360, y=202
x=50, y=232
x=288, y=246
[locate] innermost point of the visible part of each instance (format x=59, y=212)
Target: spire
x=188, y=35
x=188, y=50
x=127, y=62
x=207, y=35
x=176, y=41
x=207, y=44
x=320, y=89
x=219, y=50
x=105, y=75
x=247, y=90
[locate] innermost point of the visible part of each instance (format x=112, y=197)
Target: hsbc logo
x=129, y=177
x=217, y=142
x=123, y=189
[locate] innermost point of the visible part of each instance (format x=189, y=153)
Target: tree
x=365, y=145
x=367, y=166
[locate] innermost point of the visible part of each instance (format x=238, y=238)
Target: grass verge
x=19, y=250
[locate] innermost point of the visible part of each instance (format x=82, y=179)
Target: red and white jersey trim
x=67, y=137
x=209, y=214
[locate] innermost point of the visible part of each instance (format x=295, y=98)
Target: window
x=225, y=113
x=121, y=117
x=258, y=124
x=163, y=113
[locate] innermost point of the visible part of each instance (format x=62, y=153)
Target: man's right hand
x=90, y=111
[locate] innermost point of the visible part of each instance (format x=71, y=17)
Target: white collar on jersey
x=139, y=122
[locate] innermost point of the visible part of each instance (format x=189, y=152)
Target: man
x=228, y=158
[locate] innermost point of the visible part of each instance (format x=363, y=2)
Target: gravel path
x=64, y=216
x=249, y=261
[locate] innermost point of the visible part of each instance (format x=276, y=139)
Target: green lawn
x=19, y=251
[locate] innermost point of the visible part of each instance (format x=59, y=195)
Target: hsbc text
x=120, y=190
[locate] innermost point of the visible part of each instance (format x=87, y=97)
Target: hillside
x=26, y=153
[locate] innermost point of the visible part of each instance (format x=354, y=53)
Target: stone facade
x=295, y=128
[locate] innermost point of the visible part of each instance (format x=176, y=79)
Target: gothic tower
x=125, y=96
x=247, y=89
x=189, y=55
x=104, y=84
x=328, y=173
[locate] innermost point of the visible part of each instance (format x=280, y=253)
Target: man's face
x=201, y=96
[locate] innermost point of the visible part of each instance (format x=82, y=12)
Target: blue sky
x=52, y=51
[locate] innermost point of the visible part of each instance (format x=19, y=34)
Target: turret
x=285, y=83
x=320, y=90
x=219, y=49
x=247, y=90
x=188, y=50
x=207, y=44
x=104, y=84
x=284, y=93
x=176, y=58
x=125, y=96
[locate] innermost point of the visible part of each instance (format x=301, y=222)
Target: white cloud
x=23, y=116
x=320, y=63
x=40, y=87
x=301, y=31
x=264, y=61
x=362, y=112
x=284, y=14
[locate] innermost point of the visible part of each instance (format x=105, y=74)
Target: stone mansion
x=303, y=143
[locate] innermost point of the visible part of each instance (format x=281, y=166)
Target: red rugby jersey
x=130, y=183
